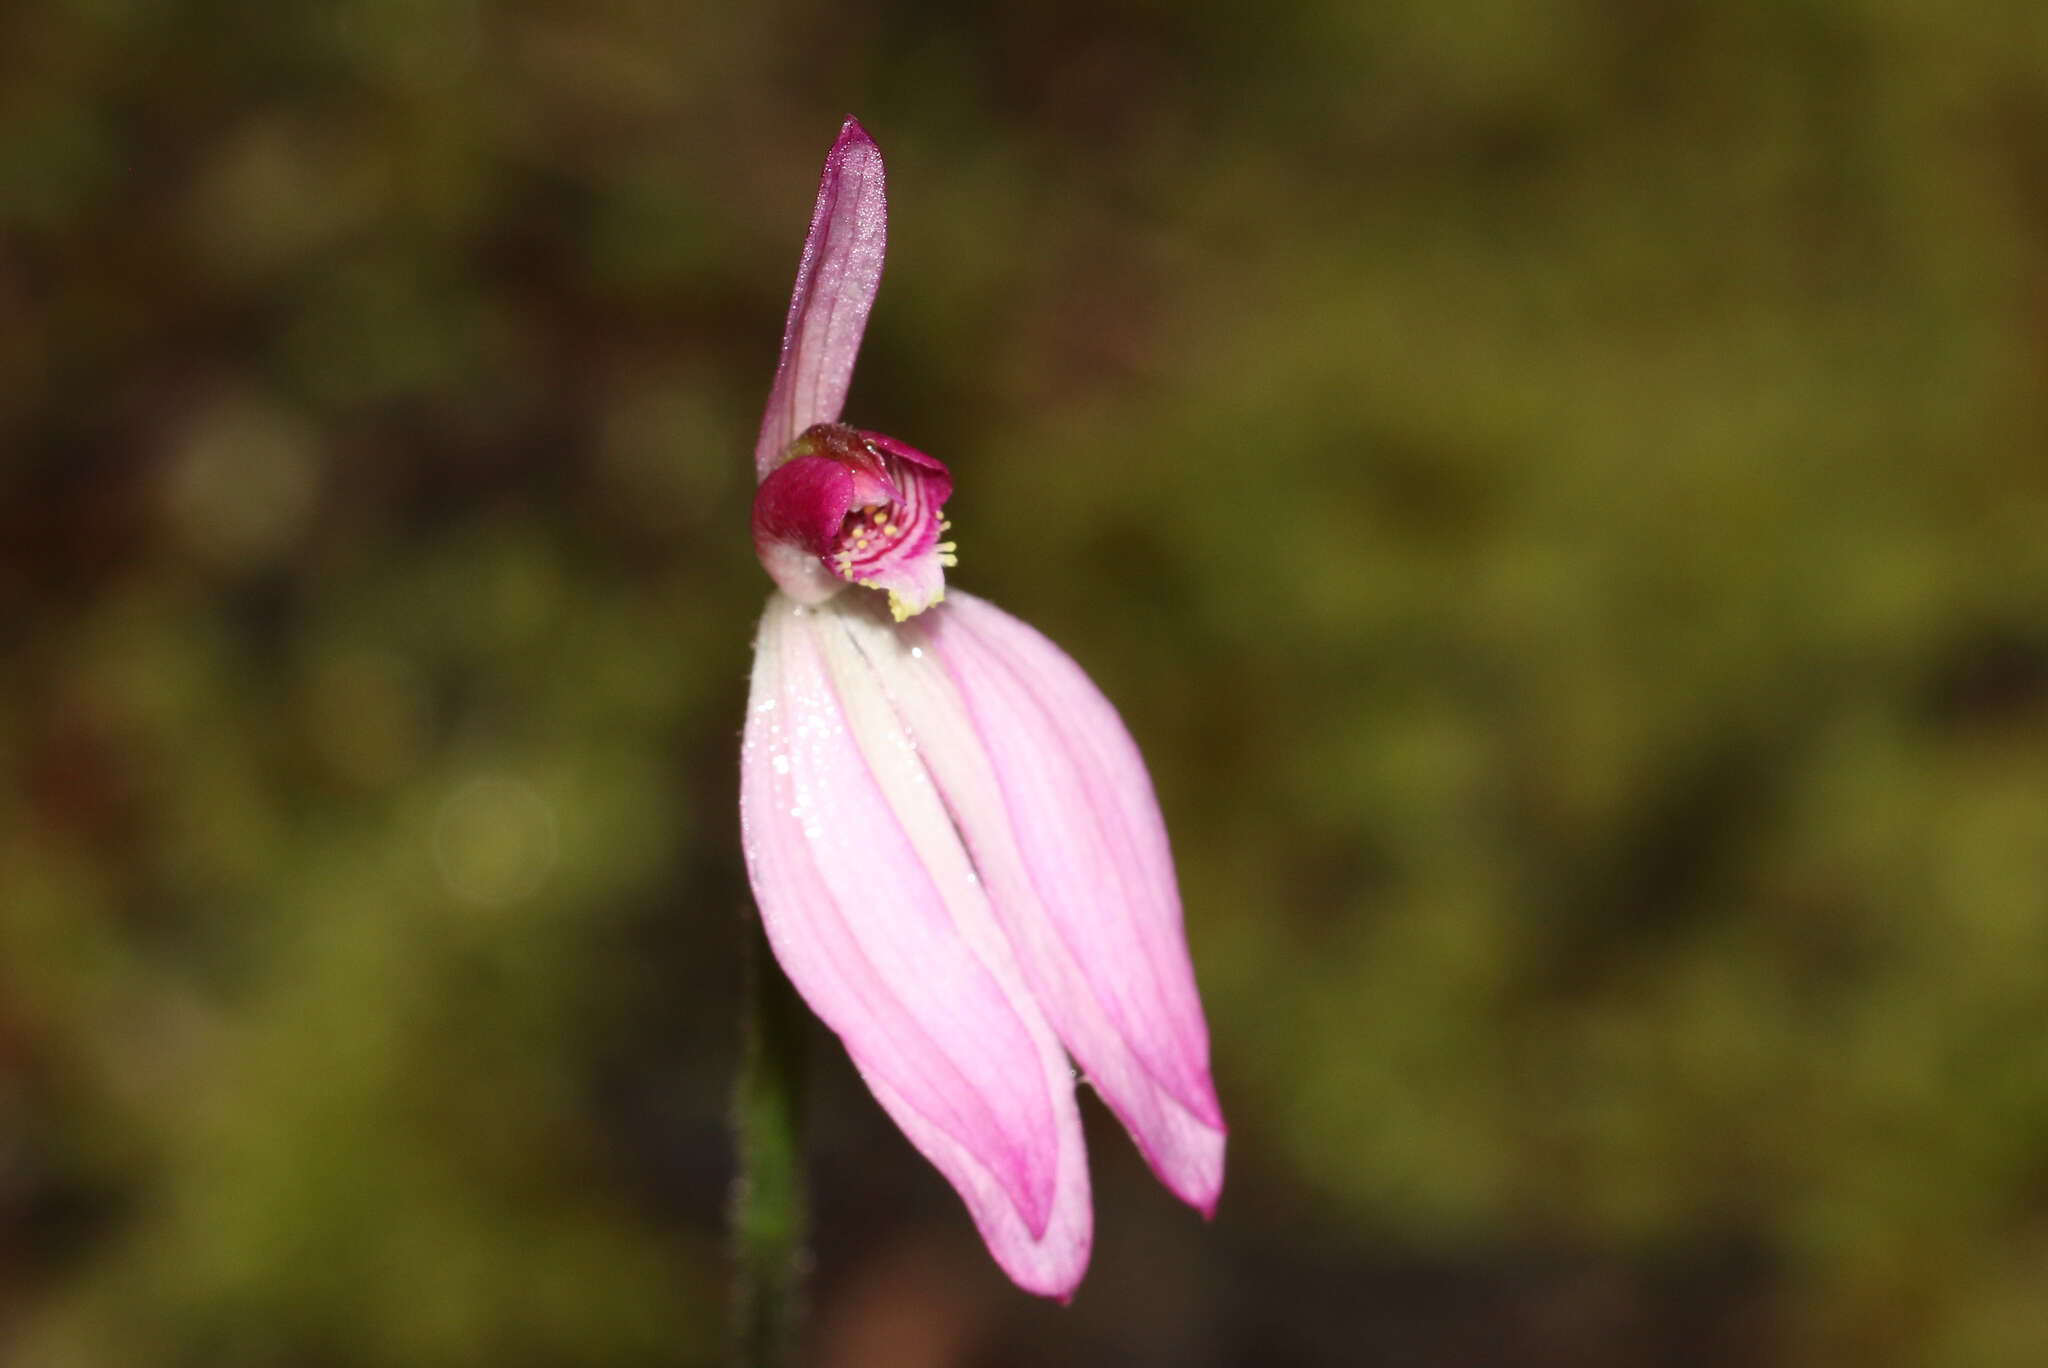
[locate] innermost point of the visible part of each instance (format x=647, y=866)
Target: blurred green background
x=1560, y=493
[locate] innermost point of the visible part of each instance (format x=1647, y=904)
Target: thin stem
x=768, y=1219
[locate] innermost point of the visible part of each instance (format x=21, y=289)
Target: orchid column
x=958, y=858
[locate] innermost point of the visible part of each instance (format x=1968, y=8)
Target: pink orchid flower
x=957, y=854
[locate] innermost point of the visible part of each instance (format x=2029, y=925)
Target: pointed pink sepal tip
x=836, y=281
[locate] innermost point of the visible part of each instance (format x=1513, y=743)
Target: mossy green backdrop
x=1559, y=492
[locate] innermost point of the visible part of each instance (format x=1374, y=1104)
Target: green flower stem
x=768, y=1216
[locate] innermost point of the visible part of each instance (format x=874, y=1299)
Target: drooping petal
x=835, y=287
x=875, y=913
x=1052, y=798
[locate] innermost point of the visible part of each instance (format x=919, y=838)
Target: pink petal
x=1054, y=803
x=835, y=287
x=875, y=913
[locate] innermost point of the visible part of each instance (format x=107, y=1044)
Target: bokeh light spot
x=495, y=840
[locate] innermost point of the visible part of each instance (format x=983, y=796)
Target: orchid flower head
x=953, y=841
x=836, y=505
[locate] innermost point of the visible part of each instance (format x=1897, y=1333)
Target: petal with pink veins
x=875, y=912
x=1057, y=812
